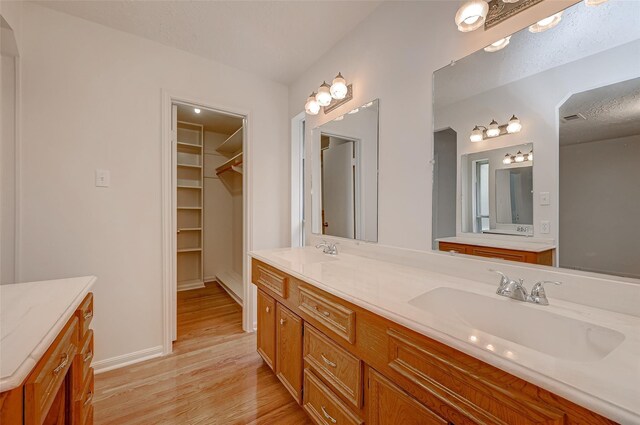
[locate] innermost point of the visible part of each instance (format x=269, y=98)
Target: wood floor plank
x=213, y=376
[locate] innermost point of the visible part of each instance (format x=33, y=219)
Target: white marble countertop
x=608, y=386
x=31, y=316
x=518, y=245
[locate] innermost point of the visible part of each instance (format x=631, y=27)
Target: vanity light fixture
x=312, y=107
x=498, y=45
x=507, y=159
x=594, y=2
x=338, y=88
x=480, y=133
x=324, y=95
x=494, y=129
x=520, y=157
x=353, y=111
x=196, y=110
x=471, y=15
x=546, y=23
x=530, y=155
x=517, y=158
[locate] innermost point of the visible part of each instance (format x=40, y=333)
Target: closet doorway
x=208, y=201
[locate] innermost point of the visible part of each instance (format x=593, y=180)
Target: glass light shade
x=519, y=157
x=340, y=118
x=514, y=125
x=353, y=111
x=498, y=45
x=546, y=23
x=530, y=156
x=338, y=88
x=493, y=130
x=471, y=15
x=324, y=95
x=476, y=135
x=507, y=159
x=594, y=2
x=311, y=106
x=196, y=110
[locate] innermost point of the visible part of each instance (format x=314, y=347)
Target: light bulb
x=338, y=88
x=324, y=95
x=530, y=157
x=471, y=15
x=519, y=157
x=476, y=135
x=498, y=45
x=311, y=106
x=196, y=110
x=340, y=118
x=594, y=2
x=514, y=125
x=507, y=159
x=546, y=23
x=353, y=111
x=493, y=130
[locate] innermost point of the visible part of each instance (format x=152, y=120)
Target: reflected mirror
x=573, y=92
x=344, y=178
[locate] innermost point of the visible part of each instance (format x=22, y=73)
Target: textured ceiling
x=583, y=31
x=610, y=112
x=212, y=121
x=276, y=39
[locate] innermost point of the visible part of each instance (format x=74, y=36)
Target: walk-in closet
x=209, y=199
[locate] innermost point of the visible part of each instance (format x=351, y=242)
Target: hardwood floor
x=214, y=375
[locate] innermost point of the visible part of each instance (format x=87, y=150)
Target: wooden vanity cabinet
x=59, y=389
x=289, y=351
x=267, y=329
x=544, y=258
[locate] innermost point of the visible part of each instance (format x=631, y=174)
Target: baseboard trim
x=127, y=359
x=230, y=292
x=190, y=286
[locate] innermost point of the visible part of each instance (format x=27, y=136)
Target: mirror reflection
x=571, y=91
x=345, y=175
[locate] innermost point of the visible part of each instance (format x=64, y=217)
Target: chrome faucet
x=328, y=248
x=515, y=289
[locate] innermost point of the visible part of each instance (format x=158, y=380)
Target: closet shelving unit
x=189, y=202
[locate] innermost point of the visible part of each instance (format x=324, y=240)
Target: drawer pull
x=282, y=322
x=89, y=398
x=88, y=357
x=328, y=416
x=88, y=315
x=327, y=361
x=325, y=313
x=62, y=365
x=267, y=309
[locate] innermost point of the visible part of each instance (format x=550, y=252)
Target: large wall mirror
x=344, y=179
x=572, y=93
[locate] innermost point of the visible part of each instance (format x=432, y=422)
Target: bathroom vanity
x=524, y=252
x=359, y=340
x=46, y=351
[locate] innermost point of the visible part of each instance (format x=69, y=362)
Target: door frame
x=169, y=215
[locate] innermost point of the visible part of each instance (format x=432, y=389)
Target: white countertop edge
x=588, y=401
x=17, y=378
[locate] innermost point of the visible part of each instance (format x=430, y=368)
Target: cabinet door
x=289, y=351
x=267, y=328
x=389, y=405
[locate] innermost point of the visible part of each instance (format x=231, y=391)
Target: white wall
x=600, y=206
x=392, y=55
x=92, y=99
x=7, y=169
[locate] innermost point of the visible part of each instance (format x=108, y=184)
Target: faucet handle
x=504, y=280
x=538, y=295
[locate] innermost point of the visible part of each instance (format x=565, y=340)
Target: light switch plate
x=103, y=178
x=544, y=198
x=545, y=227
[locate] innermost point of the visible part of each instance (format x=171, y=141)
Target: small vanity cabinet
x=59, y=388
x=347, y=365
x=544, y=258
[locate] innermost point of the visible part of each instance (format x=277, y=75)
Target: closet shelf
x=189, y=166
x=188, y=187
x=189, y=145
x=233, y=164
x=189, y=208
x=189, y=229
x=232, y=145
x=180, y=251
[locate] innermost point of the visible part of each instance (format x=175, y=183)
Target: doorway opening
x=445, y=157
x=208, y=206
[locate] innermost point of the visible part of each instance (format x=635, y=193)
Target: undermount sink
x=530, y=326
x=305, y=256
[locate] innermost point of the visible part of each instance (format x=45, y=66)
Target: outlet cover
x=544, y=198
x=545, y=227
x=103, y=178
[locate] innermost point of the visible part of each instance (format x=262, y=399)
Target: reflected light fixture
x=196, y=110
x=517, y=158
x=594, y=2
x=514, y=125
x=530, y=156
x=338, y=88
x=546, y=23
x=340, y=118
x=471, y=15
x=324, y=95
x=498, y=45
x=507, y=159
x=520, y=157
x=494, y=129
x=312, y=107
x=353, y=111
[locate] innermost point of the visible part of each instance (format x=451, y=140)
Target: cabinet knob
x=282, y=321
x=267, y=309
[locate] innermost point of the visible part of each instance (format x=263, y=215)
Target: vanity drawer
x=461, y=388
x=268, y=278
x=85, y=314
x=83, y=361
x=324, y=407
x=453, y=247
x=333, y=315
x=45, y=380
x=341, y=370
